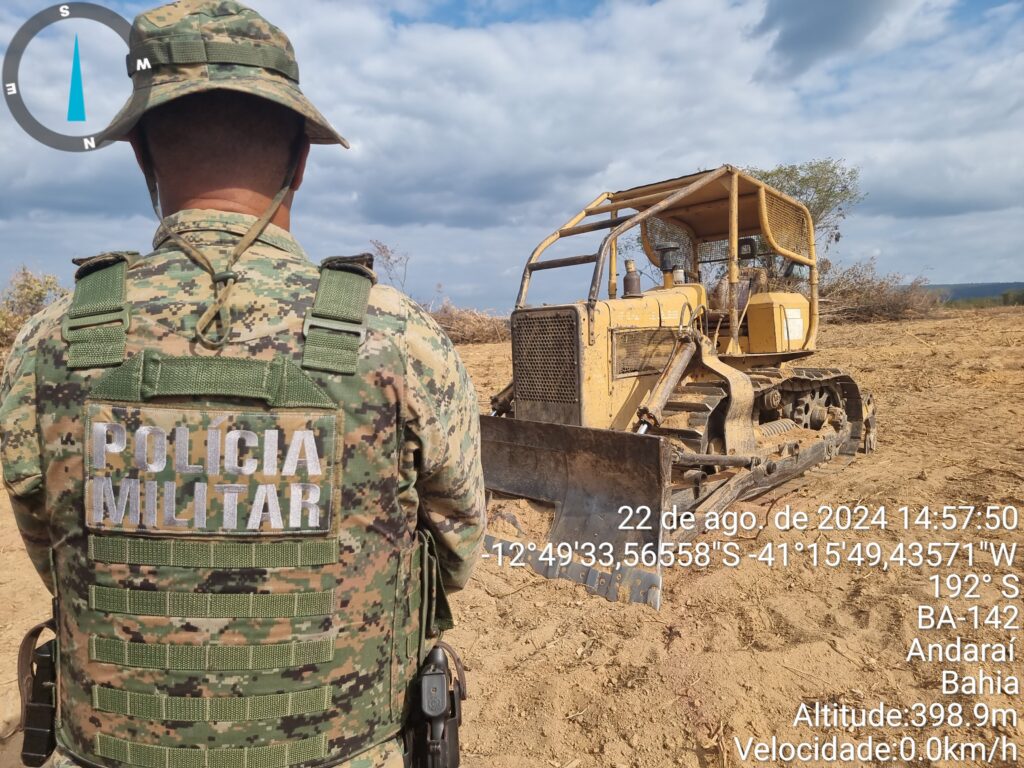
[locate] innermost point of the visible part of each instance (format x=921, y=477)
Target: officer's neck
x=232, y=201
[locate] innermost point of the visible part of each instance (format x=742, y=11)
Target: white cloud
x=472, y=143
x=968, y=252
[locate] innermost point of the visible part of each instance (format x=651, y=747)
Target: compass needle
x=76, y=98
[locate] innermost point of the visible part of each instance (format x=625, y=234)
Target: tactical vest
x=237, y=585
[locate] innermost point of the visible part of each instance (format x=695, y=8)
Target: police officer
x=247, y=480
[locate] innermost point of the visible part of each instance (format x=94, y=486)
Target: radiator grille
x=545, y=357
x=639, y=352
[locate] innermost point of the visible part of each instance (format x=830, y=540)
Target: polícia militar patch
x=180, y=472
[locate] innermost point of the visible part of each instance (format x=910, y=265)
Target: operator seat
x=752, y=280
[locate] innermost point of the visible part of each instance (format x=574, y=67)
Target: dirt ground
x=559, y=679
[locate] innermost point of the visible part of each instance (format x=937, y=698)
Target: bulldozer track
x=689, y=413
x=853, y=400
x=829, y=469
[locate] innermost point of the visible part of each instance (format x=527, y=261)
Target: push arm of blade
x=501, y=403
x=651, y=411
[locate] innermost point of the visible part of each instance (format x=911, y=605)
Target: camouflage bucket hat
x=193, y=46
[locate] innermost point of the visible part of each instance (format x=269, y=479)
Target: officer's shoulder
x=389, y=302
x=417, y=333
x=42, y=325
x=389, y=305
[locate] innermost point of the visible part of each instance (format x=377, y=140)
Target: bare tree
x=394, y=264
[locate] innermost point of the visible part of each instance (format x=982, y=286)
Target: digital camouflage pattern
x=407, y=457
x=387, y=755
x=192, y=46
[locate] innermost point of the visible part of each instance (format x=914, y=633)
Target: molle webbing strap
x=96, y=324
x=210, y=658
x=212, y=554
x=334, y=327
x=218, y=709
x=209, y=605
x=279, y=755
x=278, y=382
x=437, y=611
x=186, y=51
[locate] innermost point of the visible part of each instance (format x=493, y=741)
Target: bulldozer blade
x=608, y=488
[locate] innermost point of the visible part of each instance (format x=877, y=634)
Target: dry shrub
x=27, y=294
x=470, y=326
x=858, y=293
x=391, y=263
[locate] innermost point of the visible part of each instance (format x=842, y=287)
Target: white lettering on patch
x=231, y=493
x=266, y=506
x=304, y=496
x=303, y=445
x=101, y=446
x=150, y=449
x=182, y=472
x=104, y=504
x=181, y=453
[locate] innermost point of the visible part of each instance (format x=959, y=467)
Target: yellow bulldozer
x=676, y=401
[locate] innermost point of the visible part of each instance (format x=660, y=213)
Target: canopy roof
x=695, y=207
x=705, y=210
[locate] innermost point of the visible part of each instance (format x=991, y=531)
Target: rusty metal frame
x=811, y=263
x=524, y=284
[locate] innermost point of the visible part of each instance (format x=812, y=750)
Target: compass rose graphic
x=76, y=112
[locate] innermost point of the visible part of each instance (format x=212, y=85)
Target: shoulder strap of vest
x=335, y=324
x=95, y=327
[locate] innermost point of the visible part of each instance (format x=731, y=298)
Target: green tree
x=1013, y=298
x=828, y=187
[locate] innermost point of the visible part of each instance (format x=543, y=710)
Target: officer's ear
x=300, y=168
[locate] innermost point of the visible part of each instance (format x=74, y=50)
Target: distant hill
x=961, y=291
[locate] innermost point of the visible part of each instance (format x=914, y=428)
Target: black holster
x=432, y=736
x=37, y=682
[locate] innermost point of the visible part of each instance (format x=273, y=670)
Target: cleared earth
x=559, y=679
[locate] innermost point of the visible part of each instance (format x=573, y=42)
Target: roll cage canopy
x=703, y=209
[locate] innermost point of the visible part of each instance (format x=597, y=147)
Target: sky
x=479, y=127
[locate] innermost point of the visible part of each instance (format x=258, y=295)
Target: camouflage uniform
x=170, y=638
